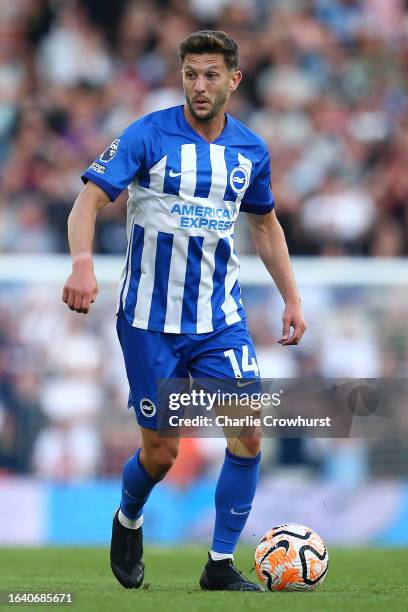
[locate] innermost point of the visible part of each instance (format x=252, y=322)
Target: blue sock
x=233, y=499
x=137, y=485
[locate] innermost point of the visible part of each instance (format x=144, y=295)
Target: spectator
x=325, y=84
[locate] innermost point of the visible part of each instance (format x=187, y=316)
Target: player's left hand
x=292, y=318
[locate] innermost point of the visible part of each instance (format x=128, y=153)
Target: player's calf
x=141, y=473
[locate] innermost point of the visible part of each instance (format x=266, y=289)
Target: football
x=291, y=557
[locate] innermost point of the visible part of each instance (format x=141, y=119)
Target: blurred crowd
x=325, y=84
x=63, y=389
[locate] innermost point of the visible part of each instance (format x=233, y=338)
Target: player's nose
x=199, y=85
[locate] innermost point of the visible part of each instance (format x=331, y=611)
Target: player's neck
x=209, y=130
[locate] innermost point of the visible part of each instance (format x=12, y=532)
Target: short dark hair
x=211, y=41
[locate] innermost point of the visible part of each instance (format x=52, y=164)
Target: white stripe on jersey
x=157, y=174
x=204, y=310
x=219, y=173
x=146, y=284
x=177, y=275
x=188, y=170
x=229, y=306
x=128, y=269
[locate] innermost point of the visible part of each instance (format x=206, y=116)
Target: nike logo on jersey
x=244, y=384
x=174, y=174
x=239, y=513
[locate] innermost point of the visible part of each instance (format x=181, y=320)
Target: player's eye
x=212, y=75
x=189, y=75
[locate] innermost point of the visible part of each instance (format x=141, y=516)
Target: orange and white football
x=291, y=557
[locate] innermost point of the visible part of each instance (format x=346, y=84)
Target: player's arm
x=81, y=288
x=271, y=245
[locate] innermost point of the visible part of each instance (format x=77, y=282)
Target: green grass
x=358, y=580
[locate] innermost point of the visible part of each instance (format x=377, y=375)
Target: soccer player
x=189, y=171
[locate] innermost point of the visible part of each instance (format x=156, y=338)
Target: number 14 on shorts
x=246, y=364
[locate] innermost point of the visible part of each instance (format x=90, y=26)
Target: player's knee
x=252, y=442
x=162, y=456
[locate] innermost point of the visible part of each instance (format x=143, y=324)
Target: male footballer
x=189, y=171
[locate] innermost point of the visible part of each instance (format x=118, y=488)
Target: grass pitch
x=357, y=580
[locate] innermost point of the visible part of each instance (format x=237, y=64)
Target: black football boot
x=223, y=576
x=126, y=554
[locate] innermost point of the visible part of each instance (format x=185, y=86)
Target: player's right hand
x=81, y=288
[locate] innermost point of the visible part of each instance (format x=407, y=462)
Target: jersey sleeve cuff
x=257, y=209
x=111, y=191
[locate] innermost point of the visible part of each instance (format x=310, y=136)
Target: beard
x=214, y=109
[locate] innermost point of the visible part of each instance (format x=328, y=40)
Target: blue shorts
x=224, y=355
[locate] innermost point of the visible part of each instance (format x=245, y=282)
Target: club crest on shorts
x=147, y=407
x=239, y=179
x=110, y=152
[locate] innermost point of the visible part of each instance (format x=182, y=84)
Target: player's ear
x=236, y=79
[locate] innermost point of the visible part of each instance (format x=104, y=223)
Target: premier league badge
x=110, y=152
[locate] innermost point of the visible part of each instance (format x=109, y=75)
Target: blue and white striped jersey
x=181, y=270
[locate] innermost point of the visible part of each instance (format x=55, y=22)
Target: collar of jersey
x=197, y=135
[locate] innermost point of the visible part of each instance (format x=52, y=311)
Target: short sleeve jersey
x=181, y=269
